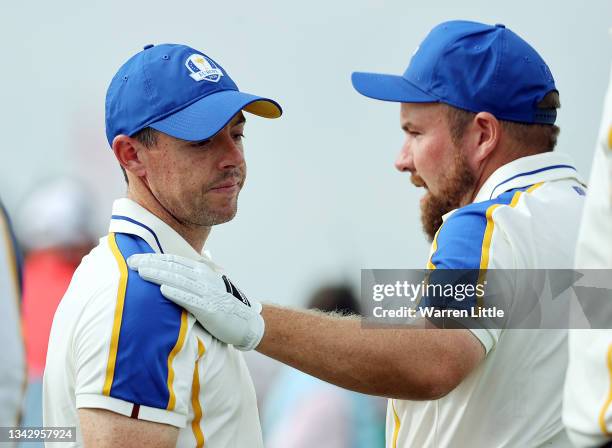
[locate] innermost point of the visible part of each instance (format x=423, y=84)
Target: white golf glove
x=211, y=297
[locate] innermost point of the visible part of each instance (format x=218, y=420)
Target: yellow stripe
x=515, y=199
x=610, y=138
x=114, y=345
x=177, y=348
x=486, y=242
x=195, y=400
x=534, y=186
x=486, y=246
x=396, y=427
x=434, y=247
x=604, y=409
x=488, y=235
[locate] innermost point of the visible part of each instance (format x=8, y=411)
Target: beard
x=456, y=184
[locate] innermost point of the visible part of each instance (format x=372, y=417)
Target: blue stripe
x=133, y=221
x=457, y=257
x=150, y=327
x=460, y=237
x=552, y=167
x=16, y=248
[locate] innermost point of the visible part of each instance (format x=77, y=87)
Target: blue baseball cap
x=179, y=91
x=472, y=66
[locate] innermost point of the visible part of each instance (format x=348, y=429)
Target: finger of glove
x=191, y=302
x=137, y=260
x=169, y=267
x=202, y=273
x=163, y=277
x=221, y=322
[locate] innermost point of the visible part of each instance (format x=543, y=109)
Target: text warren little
x=436, y=313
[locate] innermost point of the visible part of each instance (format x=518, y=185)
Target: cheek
x=424, y=158
x=164, y=173
x=430, y=160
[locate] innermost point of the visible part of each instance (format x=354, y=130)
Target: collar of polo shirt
x=527, y=171
x=130, y=217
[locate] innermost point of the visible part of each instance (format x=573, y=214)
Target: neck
x=501, y=156
x=194, y=235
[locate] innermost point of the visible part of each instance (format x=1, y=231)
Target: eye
x=201, y=144
x=238, y=137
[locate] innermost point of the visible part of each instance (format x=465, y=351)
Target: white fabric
x=512, y=399
x=79, y=346
x=587, y=412
x=12, y=356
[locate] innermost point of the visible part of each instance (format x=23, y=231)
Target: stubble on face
x=204, y=208
x=455, y=186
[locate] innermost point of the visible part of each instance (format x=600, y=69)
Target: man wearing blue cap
x=126, y=366
x=478, y=106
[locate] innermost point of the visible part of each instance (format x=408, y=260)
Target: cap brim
x=207, y=116
x=389, y=88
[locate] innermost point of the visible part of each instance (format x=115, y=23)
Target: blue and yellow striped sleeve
x=468, y=244
x=144, y=362
x=459, y=245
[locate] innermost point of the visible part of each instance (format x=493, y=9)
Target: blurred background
x=322, y=199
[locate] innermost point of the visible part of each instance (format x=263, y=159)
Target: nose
x=404, y=161
x=232, y=154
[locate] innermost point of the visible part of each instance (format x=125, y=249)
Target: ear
x=487, y=133
x=126, y=151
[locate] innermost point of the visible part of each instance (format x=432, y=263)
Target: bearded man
x=478, y=106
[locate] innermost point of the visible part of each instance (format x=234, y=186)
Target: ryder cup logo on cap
x=472, y=66
x=155, y=88
x=202, y=68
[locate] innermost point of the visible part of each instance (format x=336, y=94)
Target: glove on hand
x=211, y=297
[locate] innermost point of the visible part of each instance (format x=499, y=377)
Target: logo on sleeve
x=202, y=68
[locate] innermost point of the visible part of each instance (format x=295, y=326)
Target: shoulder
x=132, y=344
x=146, y=327
x=144, y=309
x=103, y=276
x=463, y=240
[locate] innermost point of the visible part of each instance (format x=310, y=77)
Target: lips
x=229, y=185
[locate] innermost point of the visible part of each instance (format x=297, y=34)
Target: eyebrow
x=241, y=120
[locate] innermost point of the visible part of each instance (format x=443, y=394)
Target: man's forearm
x=405, y=363
x=417, y=364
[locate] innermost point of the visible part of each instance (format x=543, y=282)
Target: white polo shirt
x=587, y=407
x=525, y=216
x=116, y=343
x=12, y=356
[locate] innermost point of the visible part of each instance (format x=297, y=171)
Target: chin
x=223, y=216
